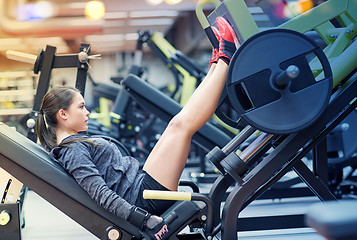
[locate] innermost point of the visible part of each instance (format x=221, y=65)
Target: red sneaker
x=229, y=41
x=226, y=31
x=214, y=58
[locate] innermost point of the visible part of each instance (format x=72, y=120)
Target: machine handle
x=20, y=56
x=167, y=195
x=199, y=11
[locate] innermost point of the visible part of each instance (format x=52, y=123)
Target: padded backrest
x=165, y=108
x=62, y=191
x=24, y=153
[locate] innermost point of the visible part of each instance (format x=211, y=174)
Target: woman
x=113, y=181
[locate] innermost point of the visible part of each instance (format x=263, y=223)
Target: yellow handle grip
x=20, y=56
x=167, y=195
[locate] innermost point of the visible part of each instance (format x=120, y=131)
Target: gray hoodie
x=112, y=180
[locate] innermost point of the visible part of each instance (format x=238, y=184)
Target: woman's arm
x=78, y=163
x=80, y=166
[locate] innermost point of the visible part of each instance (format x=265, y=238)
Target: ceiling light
x=304, y=5
x=172, y=2
x=94, y=10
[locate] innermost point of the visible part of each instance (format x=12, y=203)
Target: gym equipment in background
x=44, y=62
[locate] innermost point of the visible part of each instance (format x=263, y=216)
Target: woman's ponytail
x=45, y=133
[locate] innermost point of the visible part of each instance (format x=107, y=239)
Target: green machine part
x=103, y=115
x=335, y=21
x=189, y=82
x=341, y=45
x=341, y=49
x=235, y=11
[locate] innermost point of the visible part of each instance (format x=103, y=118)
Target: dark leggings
x=156, y=207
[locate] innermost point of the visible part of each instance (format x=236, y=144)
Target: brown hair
x=55, y=99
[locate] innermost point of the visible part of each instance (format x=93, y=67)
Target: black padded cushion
x=334, y=220
x=165, y=108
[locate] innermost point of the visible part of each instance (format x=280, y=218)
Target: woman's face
x=77, y=114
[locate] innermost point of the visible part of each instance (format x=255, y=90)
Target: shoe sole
x=235, y=37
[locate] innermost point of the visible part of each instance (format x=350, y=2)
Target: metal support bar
x=217, y=195
x=42, y=87
x=314, y=183
x=82, y=69
x=65, y=61
x=46, y=70
x=320, y=163
x=302, y=153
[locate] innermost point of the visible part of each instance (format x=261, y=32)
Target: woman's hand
x=155, y=228
x=151, y=226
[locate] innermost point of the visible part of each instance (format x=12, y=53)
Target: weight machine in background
x=44, y=62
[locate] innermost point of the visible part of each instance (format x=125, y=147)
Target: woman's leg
x=169, y=156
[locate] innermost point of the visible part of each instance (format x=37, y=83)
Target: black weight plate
x=253, y=93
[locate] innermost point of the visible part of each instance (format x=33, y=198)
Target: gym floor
x=44, y=221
